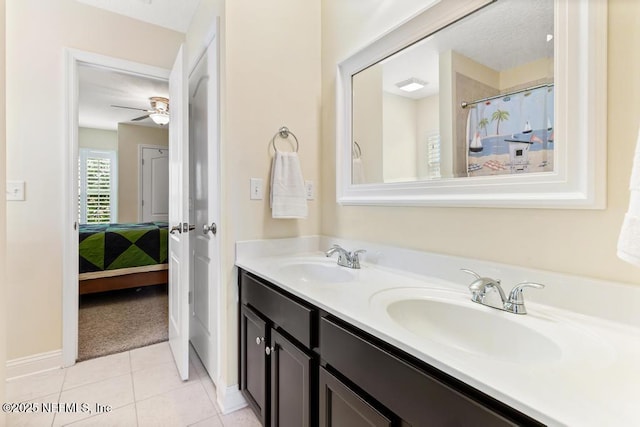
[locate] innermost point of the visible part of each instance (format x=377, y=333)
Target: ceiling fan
x=159, y=111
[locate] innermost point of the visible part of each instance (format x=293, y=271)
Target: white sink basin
x=451, y=319
x=473, y=329
x=317, y=271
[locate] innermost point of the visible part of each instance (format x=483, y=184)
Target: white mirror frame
x=579, y=181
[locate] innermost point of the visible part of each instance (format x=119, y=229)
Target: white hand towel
x=629, y=240
x=288, y=195
x=357, y=171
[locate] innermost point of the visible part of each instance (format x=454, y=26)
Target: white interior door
x=179, y=274
x=155, y=184
x=204, y=143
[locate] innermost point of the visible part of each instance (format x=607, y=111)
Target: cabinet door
x=253, y=365
x=342, y=407
x=290, y=384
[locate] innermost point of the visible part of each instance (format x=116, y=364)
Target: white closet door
x=155, y=184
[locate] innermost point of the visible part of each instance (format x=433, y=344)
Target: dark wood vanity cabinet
x=278, y=371
x=415, y=393
x=300, y=366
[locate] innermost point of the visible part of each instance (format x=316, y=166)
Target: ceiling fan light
x=159, y=103
x=160, y=118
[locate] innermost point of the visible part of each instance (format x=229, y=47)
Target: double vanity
x=399, y=340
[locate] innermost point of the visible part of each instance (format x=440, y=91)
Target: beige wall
x=526, y=75
x=399, y=138
x=475, y=70
x=572, y=241
x=99, y=139
x=37, y=33
x=447, y=112
x=129, y=140
x=367, y=110
x=3, y=214
x=271, y=78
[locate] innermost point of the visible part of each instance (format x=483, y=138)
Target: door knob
x=182, y=228
x=210, y=228
x=269, y=350
x=259, y=340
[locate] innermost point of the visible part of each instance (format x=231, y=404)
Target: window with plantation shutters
x=433, y=155
x=97, y=187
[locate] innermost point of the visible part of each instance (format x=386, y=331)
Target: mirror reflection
x=473, y=99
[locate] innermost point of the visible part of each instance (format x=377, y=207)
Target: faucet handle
x=355, y=260
x=515, y=296
x=333, y=249
x=471, y=272
x=515, y=303
x=481, y=283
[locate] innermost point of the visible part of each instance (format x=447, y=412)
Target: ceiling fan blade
x=139, y=118
x=130, y=108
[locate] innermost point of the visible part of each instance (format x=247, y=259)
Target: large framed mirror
x=478, y=103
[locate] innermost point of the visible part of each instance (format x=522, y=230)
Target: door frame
x=70, y=286
x=141, y=148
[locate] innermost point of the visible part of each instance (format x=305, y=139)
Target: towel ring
x=356, y=151
x=284, y=133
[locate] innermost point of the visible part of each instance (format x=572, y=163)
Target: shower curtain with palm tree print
x=512, y=134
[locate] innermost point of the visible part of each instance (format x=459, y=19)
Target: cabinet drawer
x=293, y=317
x=411, y=393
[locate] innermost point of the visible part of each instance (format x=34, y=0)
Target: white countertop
x=595, y=381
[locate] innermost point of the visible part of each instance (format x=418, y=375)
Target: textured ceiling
x=503, y=35
x=99, y=88
x=173, y=14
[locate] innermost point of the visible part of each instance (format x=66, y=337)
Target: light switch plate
x=15, y=190
x=257, y=189
x=308, y=186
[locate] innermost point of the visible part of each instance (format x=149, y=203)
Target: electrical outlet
x=15, y=190
x=310, y=191
x=257, y=191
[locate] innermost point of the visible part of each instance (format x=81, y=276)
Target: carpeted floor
x=116, y=321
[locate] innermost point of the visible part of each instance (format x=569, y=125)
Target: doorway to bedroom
x=122, y=211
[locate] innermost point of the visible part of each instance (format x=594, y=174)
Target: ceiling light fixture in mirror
x=478, y=103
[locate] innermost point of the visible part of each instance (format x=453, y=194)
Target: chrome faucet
x=346, y=258
x=513, y=304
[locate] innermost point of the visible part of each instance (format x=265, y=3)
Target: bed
x=121, y=256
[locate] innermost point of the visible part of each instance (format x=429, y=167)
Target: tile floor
x=142, y=386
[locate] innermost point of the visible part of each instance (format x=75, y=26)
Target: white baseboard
x=229, y=398
x=34, y=364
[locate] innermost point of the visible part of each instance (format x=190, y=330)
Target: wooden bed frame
x=123, y=281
